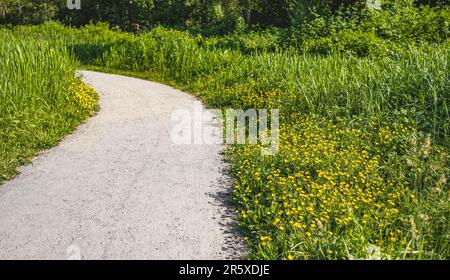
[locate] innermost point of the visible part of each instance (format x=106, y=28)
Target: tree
x=123, y=13
x=27, y=12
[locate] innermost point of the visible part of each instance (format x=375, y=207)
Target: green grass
x=412, y=83
x=364, y=159
x=36, y=107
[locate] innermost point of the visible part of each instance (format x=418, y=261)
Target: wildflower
x=413, y=228
x=319, y=225
x=244, y=214
x=266, y=238
x=443, y=180
x=424, y=217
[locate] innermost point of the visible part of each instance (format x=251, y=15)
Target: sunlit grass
x=37, y=107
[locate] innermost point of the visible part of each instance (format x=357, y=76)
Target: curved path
x=118, y=188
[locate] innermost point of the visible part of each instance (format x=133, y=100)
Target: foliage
x=367, y=31
x=403, y=21
x=84, y=96
x=28, y=12
x=247, y=42
x=340, y=192
x=393, y=19
x=37, y=108
x=129, y=15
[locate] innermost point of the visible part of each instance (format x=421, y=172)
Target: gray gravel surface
x=118, y=188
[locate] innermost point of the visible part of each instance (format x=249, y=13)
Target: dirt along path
x=119, y=188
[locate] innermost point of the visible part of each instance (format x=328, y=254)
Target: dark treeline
x=213, y=15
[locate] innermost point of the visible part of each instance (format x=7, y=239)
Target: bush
x=357, y=43
x=366, y=32
x=247, y=42
x=404, y=22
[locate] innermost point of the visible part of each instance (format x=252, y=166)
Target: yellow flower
x=266, y=238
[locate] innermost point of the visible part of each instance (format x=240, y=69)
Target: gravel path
x=119, y=189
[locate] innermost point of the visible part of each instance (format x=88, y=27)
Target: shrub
x=357, y=43
x=364, y=31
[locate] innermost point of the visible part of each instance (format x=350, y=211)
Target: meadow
x=364, y=157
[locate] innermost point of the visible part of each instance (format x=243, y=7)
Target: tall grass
x=36, y=107
x=412, y=83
